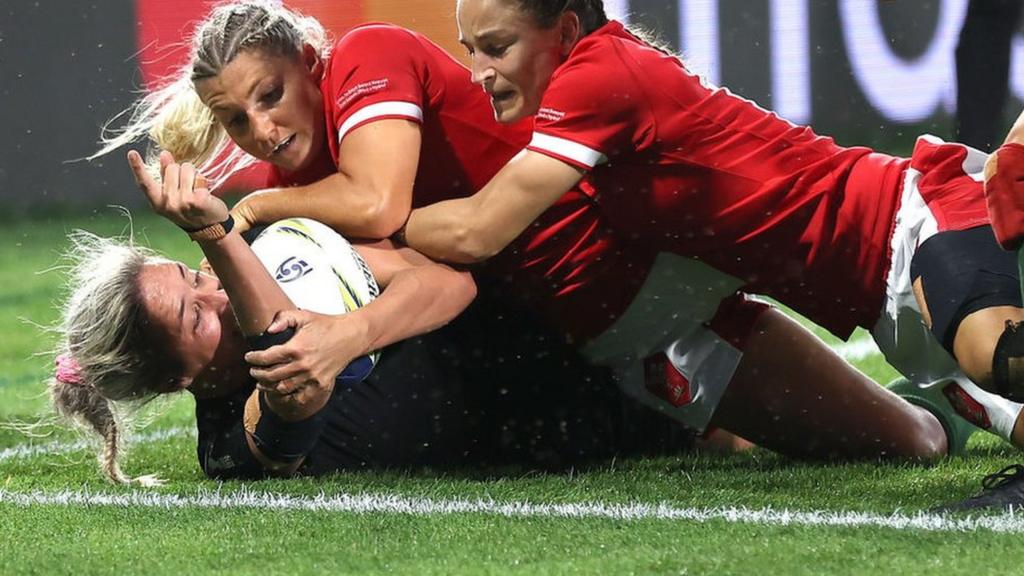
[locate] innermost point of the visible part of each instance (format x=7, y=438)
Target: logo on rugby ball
x=292, y=269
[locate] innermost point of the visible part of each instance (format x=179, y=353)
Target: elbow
x=466, y=291
x=383, y=218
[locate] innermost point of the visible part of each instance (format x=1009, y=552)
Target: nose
x=481, y=70
x=262, y=128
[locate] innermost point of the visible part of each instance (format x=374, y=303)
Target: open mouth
x=283, y=145
x=502, y=97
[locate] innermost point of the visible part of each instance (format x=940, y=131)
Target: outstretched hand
x=181, y=195
x=320, y=349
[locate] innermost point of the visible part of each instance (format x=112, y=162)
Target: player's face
x=189, y=312
x=271, y=106
x=512, y=58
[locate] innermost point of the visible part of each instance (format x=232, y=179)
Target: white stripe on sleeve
x=567, y=149
x=407, y=109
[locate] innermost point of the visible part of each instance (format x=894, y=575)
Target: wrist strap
x=213, y=231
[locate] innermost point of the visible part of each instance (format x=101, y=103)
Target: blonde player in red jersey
x=387, y=122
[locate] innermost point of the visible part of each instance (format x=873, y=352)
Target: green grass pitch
x=753, y=513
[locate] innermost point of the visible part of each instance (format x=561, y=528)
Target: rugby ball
x=321, y=272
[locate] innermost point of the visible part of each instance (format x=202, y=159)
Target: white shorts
x=900, y=332
x=665, y=351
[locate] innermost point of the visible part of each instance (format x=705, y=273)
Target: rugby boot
x=1001, y=490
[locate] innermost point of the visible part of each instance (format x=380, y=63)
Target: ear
x=569, y=31
x=312, y=61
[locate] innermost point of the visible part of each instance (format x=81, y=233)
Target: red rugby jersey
x=693, y=169
x=567, y=262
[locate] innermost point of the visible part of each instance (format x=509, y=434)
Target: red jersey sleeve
x=1004, y=193
x=376, y=71
x=593, y=109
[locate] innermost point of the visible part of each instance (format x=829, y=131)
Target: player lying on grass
x=352, y=129
x=138, y=325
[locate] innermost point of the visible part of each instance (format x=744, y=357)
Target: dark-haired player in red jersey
x=389, y=121
x=846, y=236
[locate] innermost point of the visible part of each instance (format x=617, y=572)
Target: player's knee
x=926, y=441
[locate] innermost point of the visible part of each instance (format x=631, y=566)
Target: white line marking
x=51, y=448
x=857, y=349
x=392, y=504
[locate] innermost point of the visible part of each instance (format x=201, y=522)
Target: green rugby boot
x=933, y=400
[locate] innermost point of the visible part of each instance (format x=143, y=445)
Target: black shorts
x=961, y=272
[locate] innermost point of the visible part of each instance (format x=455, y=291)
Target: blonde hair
x=103, y=330
x=174, y=118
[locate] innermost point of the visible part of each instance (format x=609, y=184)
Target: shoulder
x=376, y=37
x=375, y=49
x=596, y=65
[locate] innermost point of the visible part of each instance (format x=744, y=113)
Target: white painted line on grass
x=857, y=349
x=393, y=504
x=51, y=448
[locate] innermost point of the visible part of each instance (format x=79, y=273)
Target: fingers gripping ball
x=321, y=272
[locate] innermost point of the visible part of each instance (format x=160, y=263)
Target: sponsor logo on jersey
x=361, y=89
x=550, y=114
x=292, y=269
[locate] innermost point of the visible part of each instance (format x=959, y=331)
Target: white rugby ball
x=321, y=272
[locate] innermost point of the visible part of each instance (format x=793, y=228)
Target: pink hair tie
x=68, y=370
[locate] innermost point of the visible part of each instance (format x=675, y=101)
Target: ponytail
x=81, y=402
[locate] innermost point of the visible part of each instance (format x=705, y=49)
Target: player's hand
x=244, y=216
x=181, y=195
x=321, y=348
x=247, y=211
x=300, y=404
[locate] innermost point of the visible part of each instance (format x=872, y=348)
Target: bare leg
x=794, y=395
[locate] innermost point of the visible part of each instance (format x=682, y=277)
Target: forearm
x=473, y=229
x=255, y=297
x=444, y=231
x=350, y=208
x=412, y=304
